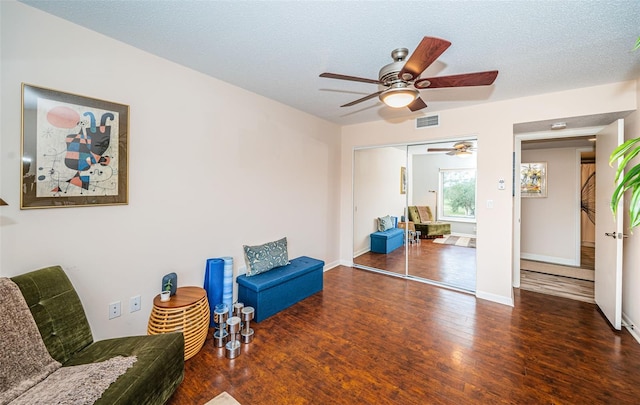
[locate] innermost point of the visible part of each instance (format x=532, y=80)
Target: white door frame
x=565, y=133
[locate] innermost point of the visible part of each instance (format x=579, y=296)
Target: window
x=457, y=197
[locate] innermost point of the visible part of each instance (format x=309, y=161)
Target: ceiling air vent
x=428, y=121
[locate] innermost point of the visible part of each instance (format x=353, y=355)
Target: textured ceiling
x=278, y=48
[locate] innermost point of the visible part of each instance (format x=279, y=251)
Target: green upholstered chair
x=61, y=320
x=422, y=219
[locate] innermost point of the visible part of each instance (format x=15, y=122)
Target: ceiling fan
x=400, y=80
x=460, y=149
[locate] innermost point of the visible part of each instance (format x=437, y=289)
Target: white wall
x=492, y=124
x=550, y=227
x=212, y=167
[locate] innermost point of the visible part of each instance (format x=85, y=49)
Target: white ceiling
x=278, y=48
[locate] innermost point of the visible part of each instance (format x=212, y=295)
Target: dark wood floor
x=448, y=264
x=368, y=338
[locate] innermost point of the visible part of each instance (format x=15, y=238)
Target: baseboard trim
x=329, y=266
x=557, y=270
x=549, y=259
x=347, y=263
x=631, y=327
x=500, y=299
x=361, y=252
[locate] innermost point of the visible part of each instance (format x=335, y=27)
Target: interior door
x=608, y=263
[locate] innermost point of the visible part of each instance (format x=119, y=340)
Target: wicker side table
x=188, y=312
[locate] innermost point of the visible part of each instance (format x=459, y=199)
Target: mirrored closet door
x=379, y=190
x=430, y=189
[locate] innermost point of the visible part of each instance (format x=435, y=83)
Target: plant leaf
x=630, y=180
x=622, y=149
x=625, y=153
x=625, y=161
x=634, y=208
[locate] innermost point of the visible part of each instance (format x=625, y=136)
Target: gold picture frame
x=74, y=150
x=403, y=180
x=533, y=180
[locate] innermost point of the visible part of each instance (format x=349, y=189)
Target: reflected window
x=457, y=196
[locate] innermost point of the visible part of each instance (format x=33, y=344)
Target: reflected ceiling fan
x=400, y=80
x=460, y=149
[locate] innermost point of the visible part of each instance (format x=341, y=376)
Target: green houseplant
x=630, y=181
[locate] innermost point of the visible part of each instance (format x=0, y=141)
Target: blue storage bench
x=271, y=292
x=387, y=241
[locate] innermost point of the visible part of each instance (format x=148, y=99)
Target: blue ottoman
x=271, y=292
x=387, y=241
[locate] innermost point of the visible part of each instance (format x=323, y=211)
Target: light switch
x=489, y=203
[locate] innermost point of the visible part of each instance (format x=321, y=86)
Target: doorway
x=567, y=248
x=552, y=220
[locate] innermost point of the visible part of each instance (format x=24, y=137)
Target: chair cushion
x=296, y=268
x=160, y=364
x=57, y=310
x=414, y=216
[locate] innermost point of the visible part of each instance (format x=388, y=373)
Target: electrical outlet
x=134, y=304
x=114, y=310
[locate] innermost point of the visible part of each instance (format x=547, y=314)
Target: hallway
x=562, y=281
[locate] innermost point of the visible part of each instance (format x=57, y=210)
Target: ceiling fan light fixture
x=399, y=96
x=463, y=154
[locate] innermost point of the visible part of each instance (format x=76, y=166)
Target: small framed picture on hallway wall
x=533, y=179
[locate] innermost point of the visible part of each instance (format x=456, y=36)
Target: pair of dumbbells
x=235, y=327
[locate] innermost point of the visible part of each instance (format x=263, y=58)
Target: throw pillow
x=384, y=223
x=265, y=257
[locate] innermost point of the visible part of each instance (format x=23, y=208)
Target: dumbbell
x=237, y=311
x=247, y=332
x=220, y=316
x=233, y=346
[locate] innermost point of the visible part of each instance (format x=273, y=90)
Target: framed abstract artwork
x=74, y=150
x=403, y=180
x=533, y=179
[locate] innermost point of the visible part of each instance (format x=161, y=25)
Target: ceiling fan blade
x=350, y=78
x=428, y=50
x=463, y=145
x=370, y=96
x=441, y=150
x=465, y=79
x=417, y=104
